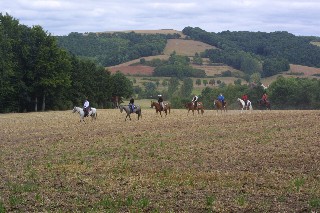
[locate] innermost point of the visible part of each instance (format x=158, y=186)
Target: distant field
x=186, y=47
x=263, y=161
x=317, y=43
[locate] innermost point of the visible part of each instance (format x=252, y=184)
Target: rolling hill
x=189, y=48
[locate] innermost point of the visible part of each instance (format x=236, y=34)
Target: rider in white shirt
x=195, y=101
x=86, y=107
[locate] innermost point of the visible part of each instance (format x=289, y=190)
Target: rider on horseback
x=160, y=101
x=221, y=99
x=264, y=98
x=245, y=99
x=195, y=101
x=86, y=107
x=131, y=105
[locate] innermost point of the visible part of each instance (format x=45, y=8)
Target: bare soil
x=259, y=161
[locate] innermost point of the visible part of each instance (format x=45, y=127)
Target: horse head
x=152, y=104
x=121, y=108
x=74, y=109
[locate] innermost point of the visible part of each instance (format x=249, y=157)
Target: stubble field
x=263, y=161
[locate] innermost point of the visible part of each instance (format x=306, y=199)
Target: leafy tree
x=157, y=82
x=255, y=78
x=187, y=87
x=197, y=59
x=238, y=81
x=150, y=90
x=6, y=68
x=173, y=86
x=164, y=82
x=121, y=86
x=198, y=82
x=212, y=82
x=205, y=82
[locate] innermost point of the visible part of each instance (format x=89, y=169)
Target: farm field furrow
x=259, y=161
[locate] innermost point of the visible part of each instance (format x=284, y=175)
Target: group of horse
x=167, y=108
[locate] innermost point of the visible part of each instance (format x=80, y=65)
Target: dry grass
x=264, y=161
x=186, y=47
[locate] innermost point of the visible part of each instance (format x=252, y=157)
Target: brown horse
x=265, y=104
x=167, y=107
x=190, y=106
x=218, y=105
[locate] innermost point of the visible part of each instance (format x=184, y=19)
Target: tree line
x=36, y=73
x=258, y=52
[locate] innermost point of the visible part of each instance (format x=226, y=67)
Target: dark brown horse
x=156, y=105
x=264, y=104
x=218, y=105
x=190, y=106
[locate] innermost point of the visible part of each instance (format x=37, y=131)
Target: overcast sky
x=60, y=17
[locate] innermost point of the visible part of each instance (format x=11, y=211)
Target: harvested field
x=263, y=161
x=133, y=70
x=186, y=47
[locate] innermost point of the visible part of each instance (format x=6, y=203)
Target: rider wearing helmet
x=160, y=101
x=131, y=105
x=86, y=107
x=195, y=101
x=221, y=99
x=245, y=99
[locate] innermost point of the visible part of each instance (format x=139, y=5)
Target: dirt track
x=258, y=161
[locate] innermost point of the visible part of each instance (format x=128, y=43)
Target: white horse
x=92, y=113
x=243, y=105
x=126, y=108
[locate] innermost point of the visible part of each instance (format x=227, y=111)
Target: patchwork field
x=263, y=161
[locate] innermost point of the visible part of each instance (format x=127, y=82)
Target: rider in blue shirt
x=221, y=99
x=131, y=105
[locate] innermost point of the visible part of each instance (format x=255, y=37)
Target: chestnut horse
x=190, y=106
x=263, y=103
x=158, y=108
x=218, y=105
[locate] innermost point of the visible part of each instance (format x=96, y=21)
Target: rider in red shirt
x=245, y=99
x=264, y=97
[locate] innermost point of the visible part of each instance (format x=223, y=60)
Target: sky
x=61, y=17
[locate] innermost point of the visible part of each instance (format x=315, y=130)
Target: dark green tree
x=173, y=86
x=186, y=87
x=121, y=85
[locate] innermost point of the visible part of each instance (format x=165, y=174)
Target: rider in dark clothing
x=160, y=101
x=131, y=105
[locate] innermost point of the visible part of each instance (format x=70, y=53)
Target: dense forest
x=36, y=73
x=261, y=52
x=108, y=49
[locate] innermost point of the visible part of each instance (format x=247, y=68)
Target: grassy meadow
x=259, y=161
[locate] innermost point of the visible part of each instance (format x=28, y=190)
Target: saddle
x=86, y=111
x=132, y=108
